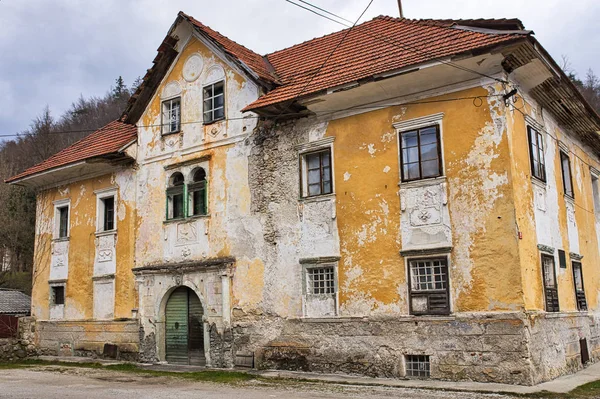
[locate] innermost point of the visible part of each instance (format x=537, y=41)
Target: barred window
x=418, y=366
x=321, y=280
x=171, y=115
x=429, y=286
x=58, y=295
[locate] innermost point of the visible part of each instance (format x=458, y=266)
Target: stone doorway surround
x=210, y=279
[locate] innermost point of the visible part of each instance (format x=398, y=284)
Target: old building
x=408, y=198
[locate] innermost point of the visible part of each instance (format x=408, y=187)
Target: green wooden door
x=184, y=328
x=177, y=326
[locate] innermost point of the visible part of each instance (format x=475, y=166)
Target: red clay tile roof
x=376, y=46
x=254, y=61
x=106, y=140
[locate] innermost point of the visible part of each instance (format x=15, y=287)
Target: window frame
x=411, y=360
x=162, y=115
x=418, y=130
x=200, y=187
x=53, y=289
x=304, y=171
x=540, y=153
x=308, y=294
x=101, y=196
x=580, y=297
x=172, y=191
x=57, y=231
x=548, y=306
x=428, y=293
x=212, y=100
x=567, y=190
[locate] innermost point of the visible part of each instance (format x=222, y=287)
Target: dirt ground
x=57, y=382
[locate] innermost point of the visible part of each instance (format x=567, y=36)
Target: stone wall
x=88, y=337
x=555, y=342
x=476, y=347
x=23, y=345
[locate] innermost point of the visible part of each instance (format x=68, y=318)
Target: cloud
x=54, y=51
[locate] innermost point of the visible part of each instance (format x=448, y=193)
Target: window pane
x=207, y=105
x=430, y=168
x=208, y=91
x=409, y=139
x=327, y=187
x=314, y=189
x=325, y=158
x=428, y=136
x=219, y=100
x=109, y=213
x=410, y=155
x=313, y=161
x=314, y=176
x=548, y=264
x=578, y=276
x=63, y=222
x=219, y=113
x=412, y=171
x=198, y=199
x=208, y=116
x=177, y=206
x=429, y=152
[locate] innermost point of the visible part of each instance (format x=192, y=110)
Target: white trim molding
x=419, y=122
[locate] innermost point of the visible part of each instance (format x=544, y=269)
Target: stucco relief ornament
x=178, y=279
x=424, y=215
x=214, y=131
x=186, y=252
x=193, y=67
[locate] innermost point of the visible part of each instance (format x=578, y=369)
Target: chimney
x=400, y=8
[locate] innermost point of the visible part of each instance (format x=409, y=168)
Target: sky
x=54, y=51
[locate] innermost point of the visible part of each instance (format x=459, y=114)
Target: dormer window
x=171, y=116
x=214, y=102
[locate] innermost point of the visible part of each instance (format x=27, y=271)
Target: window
x=579, y=290
x=420, y=153
x=58, y=295
x=596, y=194
x=198, y=193
x=562, y=259
x=171, y=115
x=565, y=166
x=175, y=195
x=550, y=287
x=429, y=288
x=418, y=366
x=536, y=154
x=108, y=208
x=63, y=221
x=214, y=102
x=321, y=280
x=317, y=174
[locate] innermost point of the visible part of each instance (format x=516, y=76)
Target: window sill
x=106, y=233
x=187, y=219
x=162, y=134
x=422, y=182
x=317, y=198
x=211, y=122
x=569, y=199
x=538, y=182
x=61, y=239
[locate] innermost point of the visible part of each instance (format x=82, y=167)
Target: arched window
x=198, y=193
x=175, y=196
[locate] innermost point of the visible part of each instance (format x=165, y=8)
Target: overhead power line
x=390, y=41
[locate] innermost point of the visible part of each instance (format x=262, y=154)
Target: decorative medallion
x=172, y=89
x=193, y=67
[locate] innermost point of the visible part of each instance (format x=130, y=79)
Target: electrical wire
x=395, y=43
x=326, y=59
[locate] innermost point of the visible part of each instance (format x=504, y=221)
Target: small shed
x=14, y=303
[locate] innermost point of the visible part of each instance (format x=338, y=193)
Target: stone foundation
x=503, y=348
x=88, y=338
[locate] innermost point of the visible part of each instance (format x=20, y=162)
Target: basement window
x=171, y=116
x=320, y=290
x=579, y=289
x=418, y=366
x=429, y=288
x=550, y=287
x=58, y=295
x=420, y=153
x=536, y=154
x=214, y=102
x=175, y=195
x=321, y=280
x=316, y=170
x=565, y=166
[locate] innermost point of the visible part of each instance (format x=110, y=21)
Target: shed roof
x=14, y=302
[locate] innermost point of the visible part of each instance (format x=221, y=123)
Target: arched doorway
x=184, y=328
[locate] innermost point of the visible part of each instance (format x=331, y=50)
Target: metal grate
x=418, y=366
x=321, y=280
x=428, y=274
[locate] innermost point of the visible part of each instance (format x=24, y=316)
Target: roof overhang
x=76, y=171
